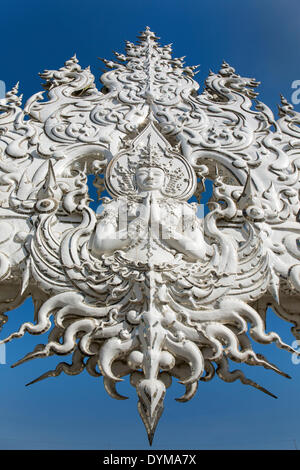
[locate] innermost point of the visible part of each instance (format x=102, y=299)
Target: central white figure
x=128, y=223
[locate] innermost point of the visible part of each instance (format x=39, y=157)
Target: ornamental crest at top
x=145, y=287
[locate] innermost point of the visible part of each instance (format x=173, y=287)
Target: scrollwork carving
x=145, y=287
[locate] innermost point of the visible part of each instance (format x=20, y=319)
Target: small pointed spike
x=150, y=438
x=267, y=392
x=50, y=188
x=250, y=188
x=50, y=175
x=33, y=382
x=50, y=373
x=15, y=89
x=284, y=100
x=26, y=276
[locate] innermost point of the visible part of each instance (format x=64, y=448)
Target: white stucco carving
x=145, y=287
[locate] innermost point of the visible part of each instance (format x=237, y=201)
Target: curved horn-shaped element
x=110, y=351
x=191, y=353
x=182, y=372
x=120, y=369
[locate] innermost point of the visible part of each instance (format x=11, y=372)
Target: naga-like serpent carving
x=145, y=287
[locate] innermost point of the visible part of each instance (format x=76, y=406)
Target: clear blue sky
x=260, y=38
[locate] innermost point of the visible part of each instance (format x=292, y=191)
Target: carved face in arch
x=150, y=178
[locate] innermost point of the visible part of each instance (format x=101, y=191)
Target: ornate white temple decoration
x=144, y=287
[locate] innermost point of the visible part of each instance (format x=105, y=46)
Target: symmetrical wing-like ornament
x=145, y=287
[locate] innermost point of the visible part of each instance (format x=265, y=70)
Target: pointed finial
x=249, y=201
x=12, y=98
x=285, y=107
x=151, y=394
x=226, y=69
x=147, y=34
x=15, y=89
x=50, y=177
x=50, y=188
x=72, y=62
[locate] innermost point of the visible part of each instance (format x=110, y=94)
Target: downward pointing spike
x=151, y=394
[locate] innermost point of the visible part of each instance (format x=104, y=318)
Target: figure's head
x=149, y=178
x=150, y=168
